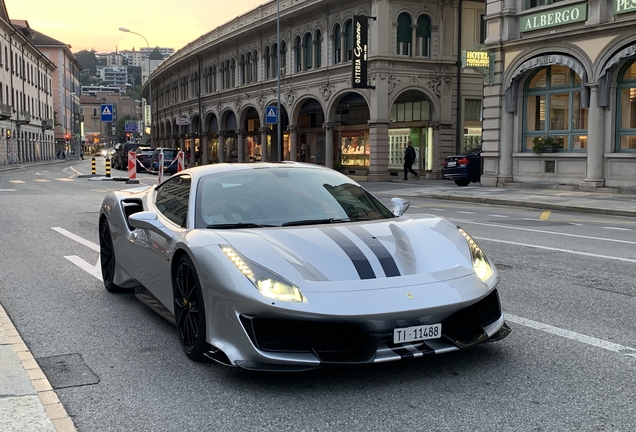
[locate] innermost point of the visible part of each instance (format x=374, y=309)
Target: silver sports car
x=289, y=266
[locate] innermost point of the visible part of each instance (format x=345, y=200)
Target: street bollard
x=160, y=166
x=180, y=157
x=132, y=168
x=93, y=166
x=107, y=167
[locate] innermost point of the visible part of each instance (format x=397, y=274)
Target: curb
x=55, y=411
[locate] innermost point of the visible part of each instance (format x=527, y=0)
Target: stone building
x=564, y=70
x=213, y=95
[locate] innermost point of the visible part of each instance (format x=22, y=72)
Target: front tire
x=462, y=182
x=189, y=311
x=107, y=257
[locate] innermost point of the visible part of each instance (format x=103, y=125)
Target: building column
x=506, y=146
x=221, y=146
x=264, y=150
x=379, y=157
x=240, y=145
x=205, y=149
x=293, y=142
x=329, y=127
x=595, y=177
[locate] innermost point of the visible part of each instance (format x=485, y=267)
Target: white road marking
x=499, y=216
x=557, y=250
x=436, y=209
x=617, y=229
x=17, y=181
x=8, y=190
x=589, y=340
x=77, y=238
x=42, y=180
x=542, y=231
x=92, y=270
x=65, y=179
x=465, y=212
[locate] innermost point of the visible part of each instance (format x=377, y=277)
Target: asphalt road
x=567, y=286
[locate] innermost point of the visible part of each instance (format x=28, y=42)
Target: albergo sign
x=360, y=48
x=554, y=17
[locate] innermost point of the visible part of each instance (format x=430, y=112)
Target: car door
x=170, y=201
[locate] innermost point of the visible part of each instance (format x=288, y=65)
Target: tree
x=121, y=127
x=155, y=54
x=88, y=60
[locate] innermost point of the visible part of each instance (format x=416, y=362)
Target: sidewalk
x=28, y=403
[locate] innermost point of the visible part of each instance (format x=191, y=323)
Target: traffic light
x=68, y=137
x=127, y=137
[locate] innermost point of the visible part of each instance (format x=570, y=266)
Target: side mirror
x=148, y=220
x=400, y=205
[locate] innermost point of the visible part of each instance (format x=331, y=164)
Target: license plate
x=451, y=164
x=417, y=333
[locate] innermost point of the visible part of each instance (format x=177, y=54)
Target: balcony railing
x=47, y=124
x=5, y=111
x=24, y=117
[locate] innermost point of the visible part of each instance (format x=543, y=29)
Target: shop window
x=552, y=105
x=404, y=34
x=410, y=112
x=423, y=36
x=626, y=109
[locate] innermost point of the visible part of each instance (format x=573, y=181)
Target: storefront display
x=398, y=139
x=355, y=148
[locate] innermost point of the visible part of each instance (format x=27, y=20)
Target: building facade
x=214, y=94
x=564, y=71
x=26, y=96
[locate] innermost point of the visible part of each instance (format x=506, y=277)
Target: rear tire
x=107, y=258
x=189, y=311
x=462, y=182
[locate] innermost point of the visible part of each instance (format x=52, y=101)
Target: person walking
x=409, y=159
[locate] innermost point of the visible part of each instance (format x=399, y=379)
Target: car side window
x=171, y=199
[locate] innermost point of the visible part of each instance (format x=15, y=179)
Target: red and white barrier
x=160, y=167
x=132, y=165
x=180, y=159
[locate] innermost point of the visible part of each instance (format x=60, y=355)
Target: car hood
x=386, y=253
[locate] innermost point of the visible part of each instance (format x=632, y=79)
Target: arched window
x=206, y=77
x=318, y=43
x=404, y=32
x=255, y=66
x=349, y=40
x=552, y=102
x=233, y=73
x=337, y=45
x=626, y=110
x=275, y=64
x=243, y=70
x=228, y=73
x=268, y=63
x=223, y=87
x=298, y=54
x=248, y=67
x=309, y=51
x=283, y=55
x=423, y=36
x=213, y=86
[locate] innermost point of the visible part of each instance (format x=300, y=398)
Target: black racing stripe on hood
x=386, y=260
x=359, y=260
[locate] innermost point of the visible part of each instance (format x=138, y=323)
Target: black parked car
x=143, y=159
x=120, y=157
x=464, y=168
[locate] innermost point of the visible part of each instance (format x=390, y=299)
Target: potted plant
x=545, y=144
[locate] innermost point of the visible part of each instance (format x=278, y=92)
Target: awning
x=512, y=85
x=605, y=78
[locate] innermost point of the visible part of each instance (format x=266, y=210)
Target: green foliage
x=87, y=60
x=539, y=143
x=337, y=165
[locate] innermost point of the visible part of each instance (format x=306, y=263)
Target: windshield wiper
x=322, y=221
x=238, y=225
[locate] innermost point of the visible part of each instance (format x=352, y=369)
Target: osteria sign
x=623, y=6
x=554, y=17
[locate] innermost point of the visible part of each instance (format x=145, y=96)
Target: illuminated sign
x=476, y=59
x=622, y=6
x=360, y=48
x=554, y=17
x=147, y=115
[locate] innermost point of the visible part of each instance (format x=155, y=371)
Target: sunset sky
x=95, y=25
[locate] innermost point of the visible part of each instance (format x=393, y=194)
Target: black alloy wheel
x=107, y=257
x=189, y=311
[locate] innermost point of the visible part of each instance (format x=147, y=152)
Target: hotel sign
x=555, y=17
x=622, y=6
x=476, y=59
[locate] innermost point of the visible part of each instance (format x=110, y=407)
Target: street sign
x=131, y=126
x=271, y=116
x=107, y=113
x=182, y=121
x=147, y=115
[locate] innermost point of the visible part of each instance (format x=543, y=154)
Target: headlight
x=268, y=283
x=480, y=262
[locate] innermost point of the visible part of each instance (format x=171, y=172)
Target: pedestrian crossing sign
x=107, y=113
x=271, y=115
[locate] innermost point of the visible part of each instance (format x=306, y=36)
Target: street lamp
x=125, y=30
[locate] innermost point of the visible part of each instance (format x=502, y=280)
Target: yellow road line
x=545, y=215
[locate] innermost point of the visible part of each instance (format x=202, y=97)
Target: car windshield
x=283, y=197
x=473, y=151
x=168, y=153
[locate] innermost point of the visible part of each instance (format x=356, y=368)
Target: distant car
x=295, y=266
x=464, y=168
x=144, y=156
x=120, y=158
x=169, y=160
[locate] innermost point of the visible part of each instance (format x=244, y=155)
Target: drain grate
x=68, y=370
